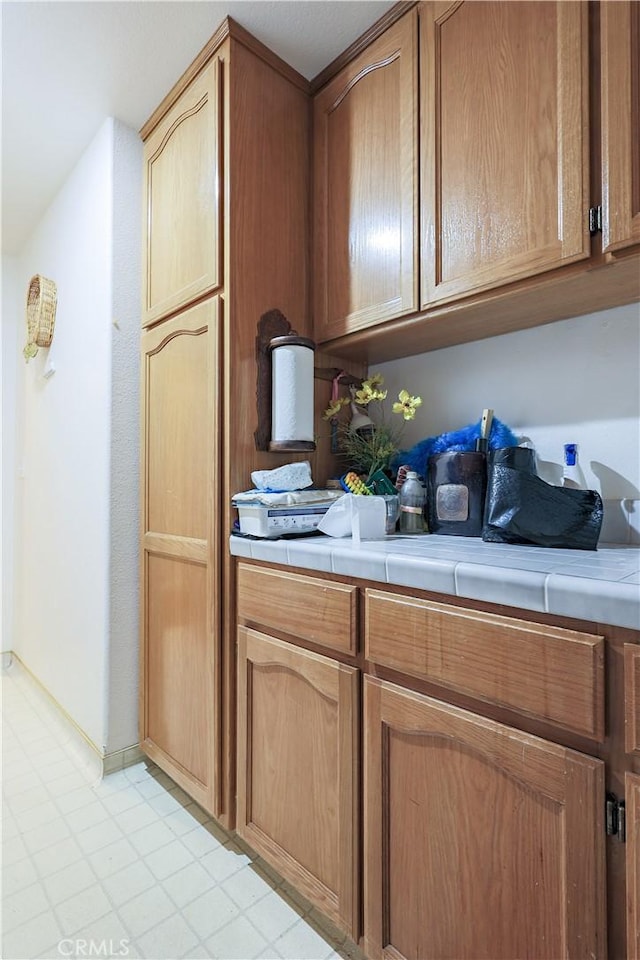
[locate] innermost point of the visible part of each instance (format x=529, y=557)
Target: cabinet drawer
x=535, y=669
x=307, y=607
x=632, y=697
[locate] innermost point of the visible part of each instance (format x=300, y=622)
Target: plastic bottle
x=571, y=473
x=412, y=500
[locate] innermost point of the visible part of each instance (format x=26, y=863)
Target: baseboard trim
x=120, y=759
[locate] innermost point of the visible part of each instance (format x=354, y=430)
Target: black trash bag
x=522, y=508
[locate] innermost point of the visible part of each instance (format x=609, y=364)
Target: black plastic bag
x=522, y=508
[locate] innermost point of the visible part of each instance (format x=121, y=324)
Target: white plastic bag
x=362, y=518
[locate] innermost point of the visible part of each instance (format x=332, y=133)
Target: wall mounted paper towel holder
x=274, y=326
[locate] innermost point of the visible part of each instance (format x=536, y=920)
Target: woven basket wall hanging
x=42, y=298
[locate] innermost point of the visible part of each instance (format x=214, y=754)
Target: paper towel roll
x=292, y=391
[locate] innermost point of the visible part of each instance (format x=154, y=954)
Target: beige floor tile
x=69, y=881
x=57, y=856
x=172, y=939
x=112, y=858
x=17, y=876
x=239, y=940
x=224, y=862
x=136, y=817
x=127, y=883
x=31, y=939
x=303, y=942
x=23, y=906
x=247, y=886
x=82, y=909
x=108, y=933
x=146, y=910
x=187, y=884
x=87, y=816
x=98, y=836
x=151, y=837
x=210, y=912
x=272, y=916
x=168, y=860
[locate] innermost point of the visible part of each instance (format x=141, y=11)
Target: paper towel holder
x=274, y=330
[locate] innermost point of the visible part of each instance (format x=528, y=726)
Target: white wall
x=576, y=380
x=69, y=454
x=11, y=310
x=122, y=705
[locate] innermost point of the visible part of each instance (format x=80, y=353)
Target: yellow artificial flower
x=367, y=450
x=334, y=408
x=368, y=393
x=407, y=405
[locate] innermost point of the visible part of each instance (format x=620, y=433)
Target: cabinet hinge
x=615, y=818
x=595, y=220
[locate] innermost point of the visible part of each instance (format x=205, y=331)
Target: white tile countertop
x=602, y=586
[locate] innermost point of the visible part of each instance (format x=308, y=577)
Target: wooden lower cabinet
x=480, y=841
x=297, y=773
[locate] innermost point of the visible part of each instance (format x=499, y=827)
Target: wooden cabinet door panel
x=297, y=769
x=365, y=187
x=179, y=665
x=504, y=143
x=620, y=79
x=632, y=803
x=480, y=840
x=180, y=543
x=182, y=252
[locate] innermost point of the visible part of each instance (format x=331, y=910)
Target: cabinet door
x=620, y=66
x=365, y=187
x=297, y=769
x=504, y=143
x=182, y=250
x=479, y=841
x=632, y=803
x=180, y=535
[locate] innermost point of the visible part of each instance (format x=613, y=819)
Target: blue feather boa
x=464, y=439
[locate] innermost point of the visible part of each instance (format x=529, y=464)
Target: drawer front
x=306, y=607
x=632, y=697
x=537, y=670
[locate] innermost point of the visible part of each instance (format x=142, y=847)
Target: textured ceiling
x=66, y=66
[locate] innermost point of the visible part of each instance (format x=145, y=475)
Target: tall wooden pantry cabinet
x=225, y=240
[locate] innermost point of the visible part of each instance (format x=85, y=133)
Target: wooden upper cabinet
x=479, y=840
x=365, y=187
x=620, y=105
x=504, y=143
x=182, y=250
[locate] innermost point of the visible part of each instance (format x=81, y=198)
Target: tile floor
x=129, y=866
